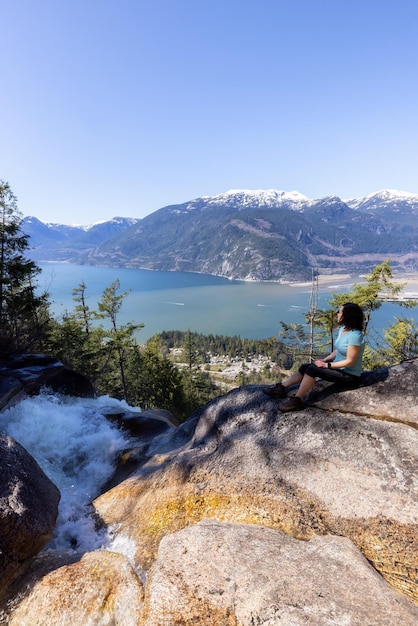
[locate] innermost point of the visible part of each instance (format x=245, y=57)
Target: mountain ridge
x=248, y=235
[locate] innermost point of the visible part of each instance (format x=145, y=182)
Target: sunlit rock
x=389, y=393
x=239, y=575
x=309, y=473
x=100, y=588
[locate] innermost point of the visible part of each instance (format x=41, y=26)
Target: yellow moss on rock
x=168, y=515
x=169, y=501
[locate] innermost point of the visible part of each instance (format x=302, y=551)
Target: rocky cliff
x=245, y=516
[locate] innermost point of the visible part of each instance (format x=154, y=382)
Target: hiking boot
x=291, y=404
x=278, y=391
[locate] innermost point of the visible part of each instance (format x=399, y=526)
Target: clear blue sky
x=122, y=107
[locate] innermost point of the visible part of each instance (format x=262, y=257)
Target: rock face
x=26, y=374
x=28, y=510
x=392, y=395
x=99, y=588
x=320, y=471
x=256, y=575
x=244, y=516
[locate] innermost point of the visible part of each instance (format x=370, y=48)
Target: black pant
x=331, y=375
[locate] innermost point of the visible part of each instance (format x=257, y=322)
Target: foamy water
x=76, y=446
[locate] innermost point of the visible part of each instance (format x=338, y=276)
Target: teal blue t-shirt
x=350, y=338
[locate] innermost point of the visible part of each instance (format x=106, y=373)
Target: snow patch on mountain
x=258, y=197
x=382, y=197
x=121, y=221
x=247, y=198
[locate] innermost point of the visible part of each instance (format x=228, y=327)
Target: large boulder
x=391, y=395
x=315, y=472
x=28, y=510
x=217, y=573
x=99, y=588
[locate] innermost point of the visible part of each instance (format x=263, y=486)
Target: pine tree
x=23, y=312
x=154, y=382
x=378, y=287
x=120, y=339
x=82, y=311
x=402, y=340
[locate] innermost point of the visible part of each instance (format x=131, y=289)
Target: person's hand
x=320, y=363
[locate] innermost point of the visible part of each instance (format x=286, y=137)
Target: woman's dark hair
x=352, y=316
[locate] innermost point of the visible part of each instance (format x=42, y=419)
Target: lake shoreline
x=409, y=280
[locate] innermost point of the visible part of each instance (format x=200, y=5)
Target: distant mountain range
x=248, y=235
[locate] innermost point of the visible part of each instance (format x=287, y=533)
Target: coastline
x=324, y=280
x=411, y=279
x=335, y=280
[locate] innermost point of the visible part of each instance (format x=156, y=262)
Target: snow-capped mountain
x=242, y=199
x=245, y=234
x=261, y=198
x=386, y=198
x=50, y=241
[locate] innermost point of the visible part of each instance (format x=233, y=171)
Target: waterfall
x=76, y=446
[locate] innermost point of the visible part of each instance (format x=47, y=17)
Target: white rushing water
x=76, y=446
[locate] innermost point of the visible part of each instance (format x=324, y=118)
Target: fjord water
x=197, y=302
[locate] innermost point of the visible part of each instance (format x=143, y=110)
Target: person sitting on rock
x=342, y=366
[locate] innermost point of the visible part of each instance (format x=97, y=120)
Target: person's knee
x=311, y=370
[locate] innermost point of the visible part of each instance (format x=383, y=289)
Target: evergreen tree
x=119, y=339
x=82, y=311
x=24, y=314
x=154, y=382
x=78, y=349
x=378, y=287
x=296, y=340
x=197, y=383
x=98, y=352
x=401, y=339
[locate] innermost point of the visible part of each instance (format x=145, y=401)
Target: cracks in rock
x=379, y=418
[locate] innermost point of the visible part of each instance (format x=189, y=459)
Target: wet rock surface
x=28, y=510
x=27, y=374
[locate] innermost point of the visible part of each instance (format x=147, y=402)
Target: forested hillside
x=250, y=235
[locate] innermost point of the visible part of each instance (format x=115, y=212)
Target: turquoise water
x=196, y=302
